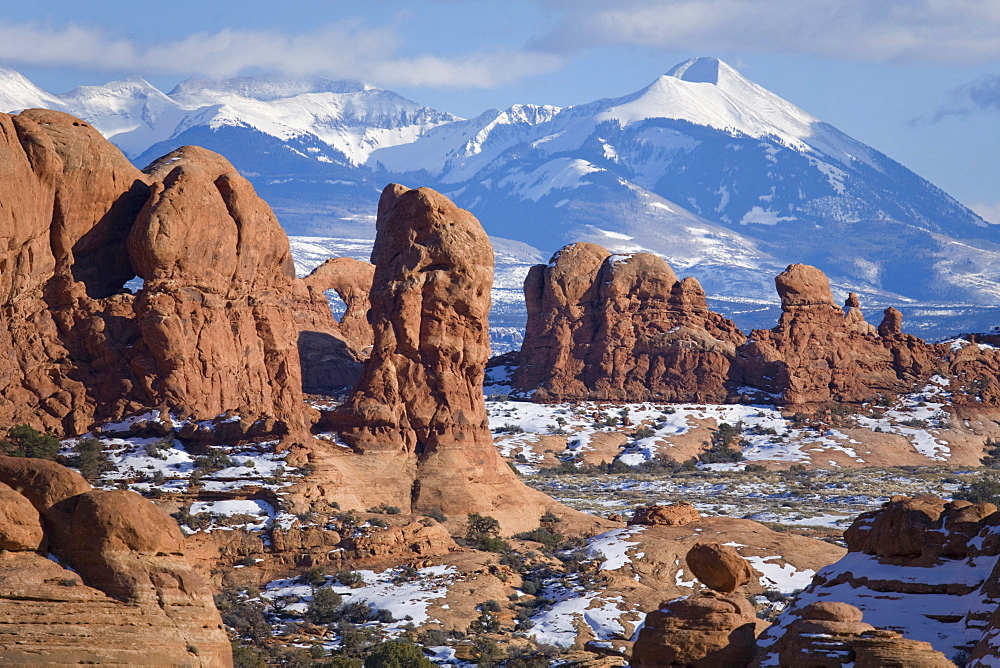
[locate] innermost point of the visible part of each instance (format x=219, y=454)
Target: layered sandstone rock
x=833, y=634
x=331, y=351
x=923, y=566
x=603, y=326
x=130, y=599
x=709, y=630
x=419, y=404
x=210, y=330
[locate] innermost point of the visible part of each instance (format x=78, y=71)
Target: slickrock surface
x=212, y=327
x=603, y=326
x=418, y=407
x=331, y=352
x=922, y=567
x=131, y=598
x=705, y=630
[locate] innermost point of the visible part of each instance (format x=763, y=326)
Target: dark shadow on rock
x=328, y=365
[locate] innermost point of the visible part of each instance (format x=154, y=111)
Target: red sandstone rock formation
x=817, y=354
x=833, y=634
x=927, y=564
x=705, y=631
x=604, y=326
x=130, y=598
x=331, y=352
x=212, y=328
x=420, y=398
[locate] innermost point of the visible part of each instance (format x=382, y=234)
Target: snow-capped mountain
x=724, y=178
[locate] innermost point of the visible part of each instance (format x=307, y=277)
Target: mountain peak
x=698, y=70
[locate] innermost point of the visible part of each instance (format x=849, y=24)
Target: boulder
x=674, y=514
x=719, y=567
x=20, y=524
x=704, y=631
x=130, y=599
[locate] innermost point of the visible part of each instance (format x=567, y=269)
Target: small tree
x=324, y=607
x=396, y=654
x=90, y=459
x=25, y=441
x=984, y=490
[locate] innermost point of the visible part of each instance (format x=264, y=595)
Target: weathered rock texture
x=419, y=403
x=623, y=328
x=130, y=598
x=212, y=327
x=603, y=326
x=719, y=567
x=708, y=630
x=833, y=634
x=818, y=353
x=331, y=352
x=674, y=514
x=923, y=567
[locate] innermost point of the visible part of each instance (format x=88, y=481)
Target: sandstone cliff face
x=923, y=567
x=419, y=403
x=130, y=598
x=623, y=328
x=210, y=330
x=604, y=326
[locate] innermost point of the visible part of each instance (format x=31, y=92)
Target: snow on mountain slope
x=131, y=113
x=725, y=179
x=17, y=93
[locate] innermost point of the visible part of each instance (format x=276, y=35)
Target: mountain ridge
x=721, y=177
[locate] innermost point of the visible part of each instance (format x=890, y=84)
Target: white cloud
x=343, y=49
x=884, y=30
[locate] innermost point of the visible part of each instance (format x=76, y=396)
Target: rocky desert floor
x=543, y=595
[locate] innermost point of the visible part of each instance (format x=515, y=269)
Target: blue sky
x=916, y=79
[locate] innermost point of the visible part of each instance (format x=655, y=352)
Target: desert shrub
x=486, y=652
x=385, y=509
x=437, y=515
x=490, y=606
x=380, y=523
x=486, y=622
x=727, y=445
x=755, y=468
x=406, y=574
x=313, y=577
x=90, y=459
x=156, y=448
x=396, y=654
x=350, y=579
x=509, y=429
x=247, y=657
x=215, y=460
x=325, y=607
x=550, y=539
x=992, y=457
x=984, y=490
x=643, y=432
x=483, y=532
x=25, y=441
